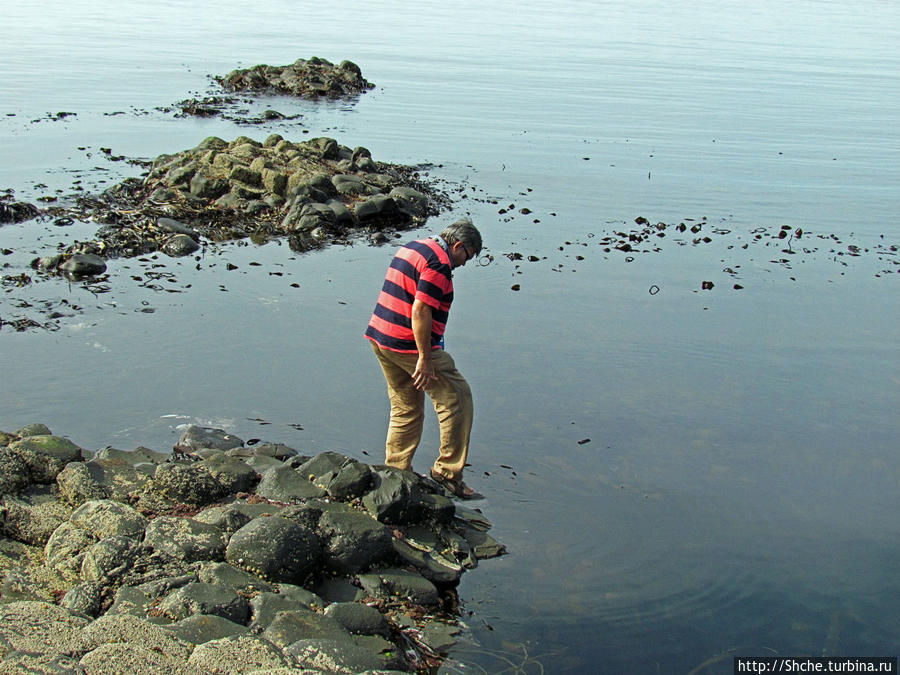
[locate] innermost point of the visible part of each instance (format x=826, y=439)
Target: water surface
x=680, y=476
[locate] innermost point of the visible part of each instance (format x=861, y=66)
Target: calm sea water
x=681, y=476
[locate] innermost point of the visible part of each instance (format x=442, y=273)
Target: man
x=407, y=334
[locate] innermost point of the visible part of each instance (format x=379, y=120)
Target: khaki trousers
x=452, y=400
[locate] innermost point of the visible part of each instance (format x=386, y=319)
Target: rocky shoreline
x=223, y=556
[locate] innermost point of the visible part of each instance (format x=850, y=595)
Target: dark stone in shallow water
x=83, y=265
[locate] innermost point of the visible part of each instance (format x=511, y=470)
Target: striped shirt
x=421, y=270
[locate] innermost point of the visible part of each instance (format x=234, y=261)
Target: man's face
x=460, y=254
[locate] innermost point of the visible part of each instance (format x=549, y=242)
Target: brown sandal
x=456, y=487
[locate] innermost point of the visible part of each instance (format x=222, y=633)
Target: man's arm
x=421, y=326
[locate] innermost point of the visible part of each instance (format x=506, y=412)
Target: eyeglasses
x=469, y=255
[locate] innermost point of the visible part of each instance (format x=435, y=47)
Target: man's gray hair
x=465, y=232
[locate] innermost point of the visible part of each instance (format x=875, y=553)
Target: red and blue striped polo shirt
x=421, y=270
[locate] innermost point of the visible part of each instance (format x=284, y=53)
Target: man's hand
x=424, y=373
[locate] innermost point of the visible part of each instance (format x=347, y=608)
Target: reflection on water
x=681, y=476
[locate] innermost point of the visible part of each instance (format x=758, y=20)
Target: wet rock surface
x=182, y=568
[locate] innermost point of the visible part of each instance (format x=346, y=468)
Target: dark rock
x=354, y=541
x=262, y=463
x=392, y=659
x=264, y=607
x=180, y=245
x=160, y=584
x=223, y=574
x=196, y=437
x=82, y=265
x=181, y=176
x=358, y=618
x=233, y=474
x=283, y=483
x=202, y=598
x=440, y=636
x=338, y=589
x=327, y=148
x=437, y=508
x=311, y=78
x=483, y=545
x=312, y=216
x=348, y=184
x=275, y=549
x=410, y=200
x=207, y=187
x=140, y=455
x=343, y=218
x=293, y=625
x=394, y=497
x=321, y=183
x=232, y=517
x=229, y=201
x=432, y=565
x=308, y=513
x=279, y=451
x=341, y=477
x=392, y=583
x=17, y=212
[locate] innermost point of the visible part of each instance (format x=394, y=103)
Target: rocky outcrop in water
x=313, y=192
x=313, y=78
x=222, y=557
